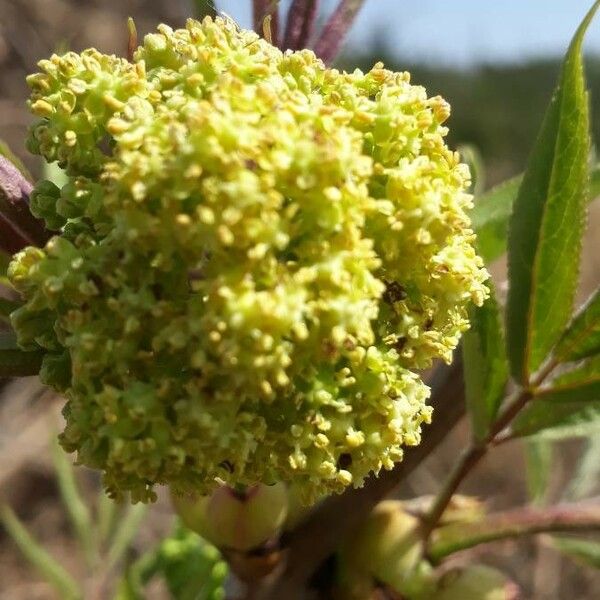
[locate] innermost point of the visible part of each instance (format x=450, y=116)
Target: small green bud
x=235, y=520
x=42, y=204
x=388, y=548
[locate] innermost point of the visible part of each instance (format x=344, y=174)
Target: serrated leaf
x=485, y=366
x=582, y=338
x=492, y=210
x=583, y=551
x=547, y=221
x=569, y=408
x=580, y=384
x=15, y=362
x=51, y=570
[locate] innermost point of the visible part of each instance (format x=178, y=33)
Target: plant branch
x=336, y=29
x=337, y=517
x=14, y=207
x=519, y=522
x=11, y=241
x=300, y=24
x=478, y=449
x=261, y=9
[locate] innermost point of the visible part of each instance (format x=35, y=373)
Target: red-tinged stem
x=563, y=518
x=478, y=449
x=300, y=24
x=336, y=29
x=14, y=209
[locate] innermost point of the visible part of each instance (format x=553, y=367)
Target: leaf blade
x=582, y=338
x=569, y=408
x=492, y=210
x=485, y=366
x=582, y=551
x=546, y=225
x=53, y=572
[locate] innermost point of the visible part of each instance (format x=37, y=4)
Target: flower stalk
x=478, y=449
x=336, y=29
x=300, y=24
x=563, y=518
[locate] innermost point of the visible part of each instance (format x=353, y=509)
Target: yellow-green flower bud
x=235, y=520
x=258, y=255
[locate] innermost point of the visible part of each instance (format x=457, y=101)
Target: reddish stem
x=336, y=29
x=574, y=517
x=300, y=24
x=20, y=227
x=262, y=9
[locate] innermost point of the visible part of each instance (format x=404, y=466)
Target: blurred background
x=495, y=62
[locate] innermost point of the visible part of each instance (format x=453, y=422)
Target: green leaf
x=485, y=366
x=490, y=216
x=128, y=528
x=582, y=338
x=15, y=362
x=492, y=211
x=76, y=506
x=137, y=575
x=106, y=515
x=52, y=572
x=586, y=479
x=586, y=552
x=538, y=458
x=580, y=384
x=547, y=221
x=471, y=156
x=569, y=408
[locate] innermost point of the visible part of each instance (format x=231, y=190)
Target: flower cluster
x=254, y=254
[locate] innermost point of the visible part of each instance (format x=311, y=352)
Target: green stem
x=581, y=517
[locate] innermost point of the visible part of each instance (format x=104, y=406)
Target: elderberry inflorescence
x=254, y=256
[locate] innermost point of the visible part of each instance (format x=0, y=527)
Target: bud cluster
x=254, y=254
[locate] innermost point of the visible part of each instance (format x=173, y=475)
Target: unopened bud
x=235, y=520
x=388, y=548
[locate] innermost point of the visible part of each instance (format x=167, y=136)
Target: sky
x=462, y=32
